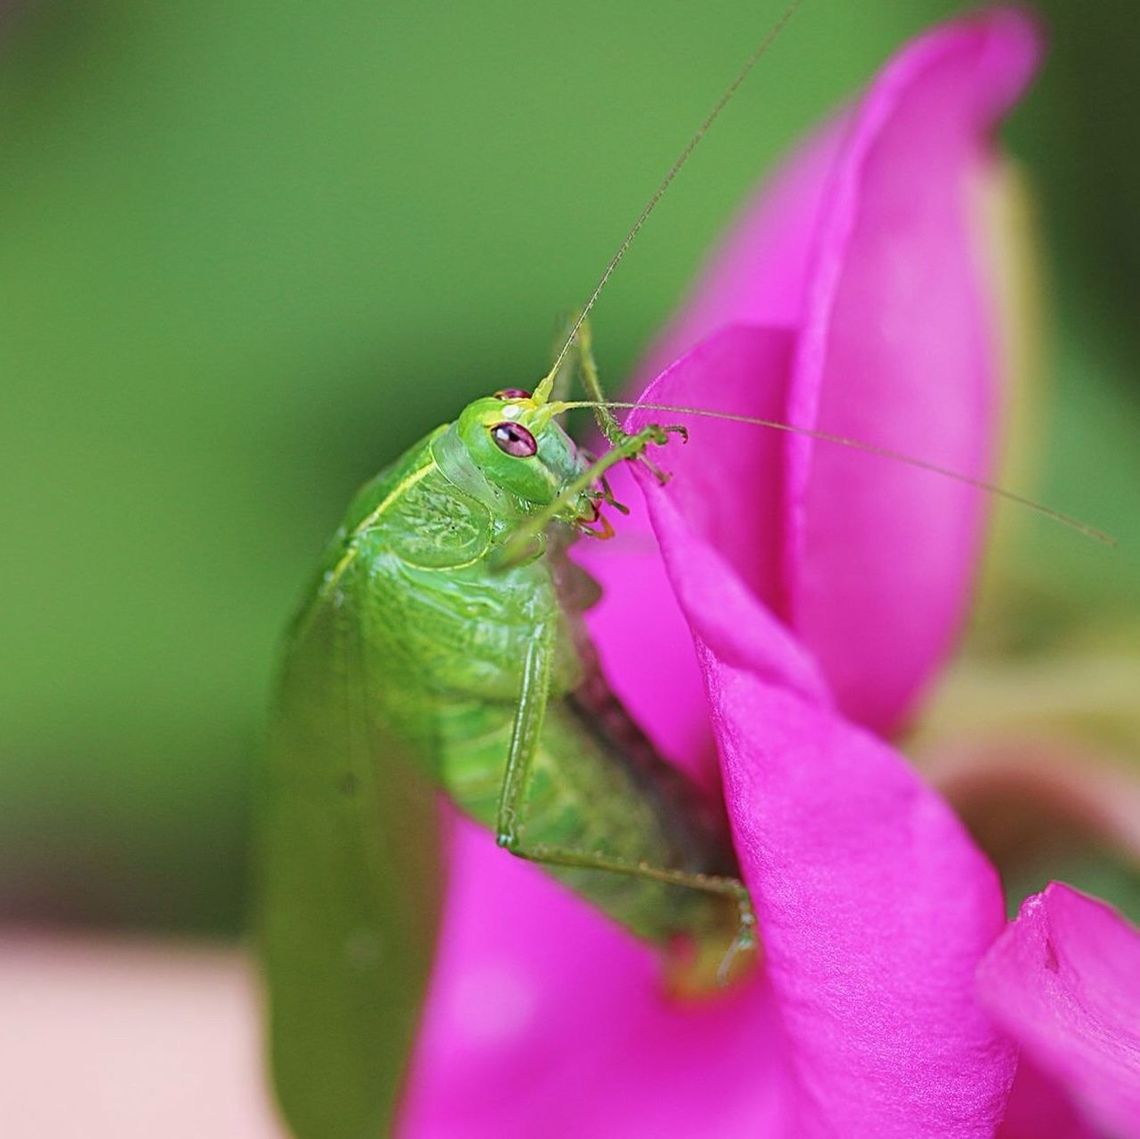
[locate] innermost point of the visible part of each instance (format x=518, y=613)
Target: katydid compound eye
x=514, y=440
x=511, y=393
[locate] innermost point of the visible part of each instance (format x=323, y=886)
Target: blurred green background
x=249, y=251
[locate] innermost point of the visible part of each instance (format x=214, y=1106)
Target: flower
x=801, y=595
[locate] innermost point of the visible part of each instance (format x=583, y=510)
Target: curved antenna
x=542, y=392
x=1077, y=524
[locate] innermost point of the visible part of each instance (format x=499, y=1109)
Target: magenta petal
x=759, y=274
x=546, y=1020
x=1064, y=981
x=898, y=350
x=728, y=478
x=637, y=620
x=1039, y=1108
x=865, y=247
x=875, y=907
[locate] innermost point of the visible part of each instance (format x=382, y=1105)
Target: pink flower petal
x=875, y=907
x=898, y=350
x=1039, y=1109
x=866, y=248
x=1064, y=981
x=759, y=275
x=728, y=479
x=545, y=1019
x=637, y=620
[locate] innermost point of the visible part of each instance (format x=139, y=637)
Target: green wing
x=350, y=883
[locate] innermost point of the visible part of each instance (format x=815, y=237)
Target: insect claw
x=607, y=531
x=744, y=942
x=661, y=477
x=608, y=496
x=658, y=474
x=659, y=436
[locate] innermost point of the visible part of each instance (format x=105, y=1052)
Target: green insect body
x=442, y=648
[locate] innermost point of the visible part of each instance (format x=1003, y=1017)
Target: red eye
x=514, y=440
x=511, y=393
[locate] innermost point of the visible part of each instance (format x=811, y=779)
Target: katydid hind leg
x=511, y=823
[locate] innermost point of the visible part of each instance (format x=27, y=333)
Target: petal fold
x=868, y=250
x=1064, y=981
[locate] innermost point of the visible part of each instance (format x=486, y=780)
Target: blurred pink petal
x=1064, y=981
x=865, y=248
x=128, y=1041
x=1039, y=1109
x=544, y=1020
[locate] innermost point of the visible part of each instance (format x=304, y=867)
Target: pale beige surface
x=127, y=1040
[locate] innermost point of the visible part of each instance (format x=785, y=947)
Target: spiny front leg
x=607, y=421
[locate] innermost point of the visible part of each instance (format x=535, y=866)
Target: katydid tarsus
x=441, y=649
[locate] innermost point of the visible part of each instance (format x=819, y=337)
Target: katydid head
x=518, y=444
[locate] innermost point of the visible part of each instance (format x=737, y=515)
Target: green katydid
x=441, y=648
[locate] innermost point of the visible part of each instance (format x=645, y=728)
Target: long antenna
x=542, y=392
x=1068, y=520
